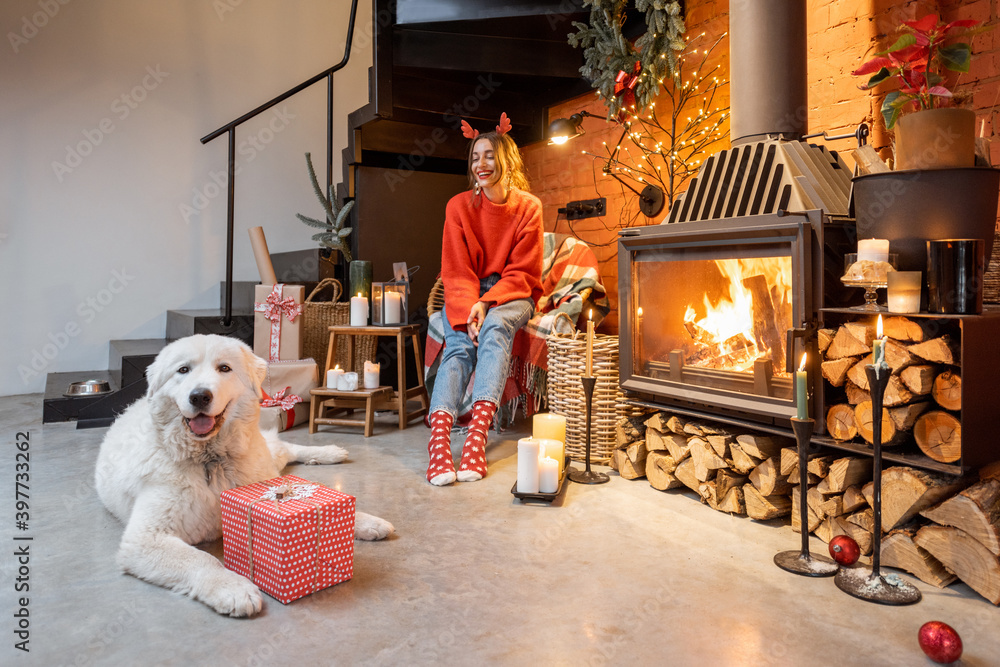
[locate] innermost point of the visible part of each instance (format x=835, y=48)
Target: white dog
x=168, y=457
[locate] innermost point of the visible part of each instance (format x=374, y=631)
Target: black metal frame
x=230, y=129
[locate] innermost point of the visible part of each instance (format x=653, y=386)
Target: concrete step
x=57, y=407
x=182, y=323
x=242, y=295
x=128, y=359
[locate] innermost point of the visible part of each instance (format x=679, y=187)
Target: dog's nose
x=200, y=398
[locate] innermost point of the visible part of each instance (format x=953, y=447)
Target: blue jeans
x=490, y=361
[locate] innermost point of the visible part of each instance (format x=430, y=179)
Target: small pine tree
x=335, y=234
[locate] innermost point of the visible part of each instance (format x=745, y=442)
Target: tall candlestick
x=801, y=382
x=590, y=343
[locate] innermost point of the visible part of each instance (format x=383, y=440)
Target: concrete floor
x=611, y=574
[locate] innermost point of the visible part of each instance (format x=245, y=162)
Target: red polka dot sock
x=440, y=467
x=473, y=467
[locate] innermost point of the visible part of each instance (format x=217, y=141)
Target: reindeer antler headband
x=502, y=128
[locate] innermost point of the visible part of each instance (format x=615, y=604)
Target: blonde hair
x=509, y=164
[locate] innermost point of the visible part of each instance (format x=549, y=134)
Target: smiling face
x=483, y=163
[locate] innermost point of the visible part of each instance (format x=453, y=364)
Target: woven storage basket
x=567, y=363
x=318, y=316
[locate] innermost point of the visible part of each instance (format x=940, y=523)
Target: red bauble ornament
x=845, y=550
x=940, y=642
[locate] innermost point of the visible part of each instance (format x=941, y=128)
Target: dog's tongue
x=202, y=424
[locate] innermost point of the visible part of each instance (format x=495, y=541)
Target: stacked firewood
x=933, y=525
x=924, y=395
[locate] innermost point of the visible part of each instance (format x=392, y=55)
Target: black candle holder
x=587, y=476
x=860, y=582
x=802, y=562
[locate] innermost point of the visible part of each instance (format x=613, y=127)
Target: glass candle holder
x=904, y=291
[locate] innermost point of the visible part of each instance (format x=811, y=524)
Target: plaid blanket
x=570, y=282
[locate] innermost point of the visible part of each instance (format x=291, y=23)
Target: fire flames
x=747, y=324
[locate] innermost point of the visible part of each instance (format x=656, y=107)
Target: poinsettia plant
x=917, y=60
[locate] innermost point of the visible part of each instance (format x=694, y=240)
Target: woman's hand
x=475, y=322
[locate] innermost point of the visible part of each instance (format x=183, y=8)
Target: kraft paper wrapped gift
x=300, y=376
x=289, y=536
x=281, y=418
x=277, y=321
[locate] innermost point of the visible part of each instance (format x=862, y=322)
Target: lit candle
x=371, y=375
x=548, y=475
x=590, y=343
x=875, y=250
x=393, y=308
x=553, y=449
x=801, y=382
x=332, y=375
x=527, y=465
x=548, y=425
x=359, y=310
x=878, y=347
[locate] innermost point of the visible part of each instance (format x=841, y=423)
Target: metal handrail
x=231, y=126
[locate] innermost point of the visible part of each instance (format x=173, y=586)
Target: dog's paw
x=368, y=527
x=233, y=595
x=324, y=455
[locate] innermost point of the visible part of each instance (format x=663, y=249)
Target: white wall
x=101, y=110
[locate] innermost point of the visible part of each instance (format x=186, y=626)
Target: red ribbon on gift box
x=281, y=399
x=625, y=84
x=274, y=308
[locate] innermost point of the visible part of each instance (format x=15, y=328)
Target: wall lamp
x=562, y=130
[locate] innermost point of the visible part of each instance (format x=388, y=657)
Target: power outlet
x=585, y=208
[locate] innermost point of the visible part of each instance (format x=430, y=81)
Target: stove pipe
x=768, y=85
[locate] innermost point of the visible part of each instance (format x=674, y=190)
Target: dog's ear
x=256, y=369
x=159, y=371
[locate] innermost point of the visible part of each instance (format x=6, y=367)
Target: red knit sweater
x=486, y=239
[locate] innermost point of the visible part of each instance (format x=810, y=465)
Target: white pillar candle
x=549, y=425
x=371, y=375
x=589, y=371
x=527, y=465
x=347, y=382
x=548, y=475
x=332, y=375
x=393, y=308
x=359, y=311
x=553, y=449
x=875, y=250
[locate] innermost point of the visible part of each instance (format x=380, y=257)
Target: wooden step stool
x=326, y=403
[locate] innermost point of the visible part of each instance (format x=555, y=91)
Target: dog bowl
x=88, y=388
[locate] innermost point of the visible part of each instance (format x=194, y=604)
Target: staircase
x=435, y=63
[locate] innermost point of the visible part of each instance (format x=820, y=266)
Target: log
x=835, y=371
x=903, y=329
x=939, y=436
x=947, y=390
x=814, y=519
x=765, y=328
x=919, y=379
x=629, y=470
x=726, y=480
x=693, y=429
x=676, y=424
x=860, y=331
x=823, y=339
x=761, y=507
x=840, y=422
x=940, y=350
x=768, y=480
x=761, y=446
x=844, y=344
x=854, y=499
x=708, y=494
x=907, y=491
x=720, y=443
x=706, y=461
x=966, y=557
x=898, y=357
x=896, y=393
x=685, y=473
x=740, y=461
x=658, y=421
x=863, y=418
x=629, y=429
x=732, y=502
x=637, y=453
x=789, y=461
x=975, y=510
x=819, y=465
x=846, y=472
x=659, y=471
x=832, y=506
x=861, y=536
x=990, y=471
x=905, y=416
x=864, y=519
x=900, y=551
x=656, y=440
x=613, y=460
x=829, y=528
x=855, y=394
x=856, y=373
x=811, y=479
x=678, y=446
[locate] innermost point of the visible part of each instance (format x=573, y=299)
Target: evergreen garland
x=607, y=52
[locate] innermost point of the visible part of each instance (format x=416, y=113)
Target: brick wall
x=842, y=35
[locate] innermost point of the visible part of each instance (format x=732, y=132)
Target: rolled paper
x=371, y=375
x=262, y=256
x=347, y=382
x=548, y=475
x=332, y=375
x=549, y=425
x=527, y=465
x=553, y=449
x=359, y=311
x=875, y=250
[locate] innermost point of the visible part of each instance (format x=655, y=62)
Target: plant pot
x=936, y=139
x=915, y=206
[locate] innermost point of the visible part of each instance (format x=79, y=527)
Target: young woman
x=491, y=266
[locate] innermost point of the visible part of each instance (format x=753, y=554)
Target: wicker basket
x=319, y=316
x=567, y=362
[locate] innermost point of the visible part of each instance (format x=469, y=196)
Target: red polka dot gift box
x=289, y=536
